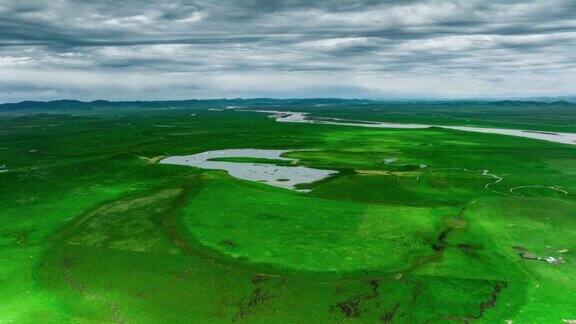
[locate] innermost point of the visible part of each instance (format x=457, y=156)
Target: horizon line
x=398, y=99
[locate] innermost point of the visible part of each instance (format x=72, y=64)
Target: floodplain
x=122, y=214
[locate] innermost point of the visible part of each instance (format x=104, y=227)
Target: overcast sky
x=176, y=49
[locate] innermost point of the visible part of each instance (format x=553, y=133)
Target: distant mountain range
x=571, y=99
x=62, y=105
x=66, y=105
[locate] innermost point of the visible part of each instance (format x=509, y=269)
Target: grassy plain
x=417, y=227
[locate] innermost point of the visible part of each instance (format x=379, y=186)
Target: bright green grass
x=522, y=224
x=93, y=232
x=286, y=230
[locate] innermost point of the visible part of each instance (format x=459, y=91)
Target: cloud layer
x=136, y=49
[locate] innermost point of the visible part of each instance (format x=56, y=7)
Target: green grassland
x=419, y=225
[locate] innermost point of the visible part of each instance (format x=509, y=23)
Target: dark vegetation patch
x=229, y=243
x=259, y=296
x=389, y=315
x=356, y=305
x=490, y=302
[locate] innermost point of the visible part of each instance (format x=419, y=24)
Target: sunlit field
x=411, y=226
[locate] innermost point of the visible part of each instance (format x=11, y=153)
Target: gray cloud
x=138, y=49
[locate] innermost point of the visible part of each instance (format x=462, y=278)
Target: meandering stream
x=302, y=117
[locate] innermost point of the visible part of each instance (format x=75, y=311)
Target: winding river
x=302, y=117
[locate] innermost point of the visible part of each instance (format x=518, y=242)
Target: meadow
x=418, y=225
